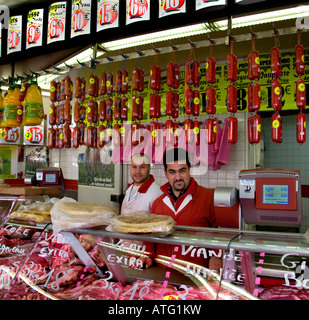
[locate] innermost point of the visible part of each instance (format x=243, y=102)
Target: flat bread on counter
x=85, y=209
x=142, y=222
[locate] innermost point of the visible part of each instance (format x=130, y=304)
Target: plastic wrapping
x=38, y=212
x=68, y=214
x=141, y=222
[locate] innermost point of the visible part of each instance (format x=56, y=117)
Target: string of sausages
x=300, y=91
x=211, y=106
x=276, y=92
x=254, y=95
x=231, y=102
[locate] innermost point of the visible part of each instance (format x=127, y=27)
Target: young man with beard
x=188, y=203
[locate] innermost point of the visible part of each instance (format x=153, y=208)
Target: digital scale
x=47, y=177
x=271, y=197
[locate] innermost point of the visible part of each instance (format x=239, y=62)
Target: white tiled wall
x=227, y=176
x=288, y=155
x=67, y=160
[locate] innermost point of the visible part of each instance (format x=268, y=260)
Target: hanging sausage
x=254, y=95
x=254, y=129
x=232, y=130
x=232, y=94
x=101, y=136
x=52, y=115
x=301, y=128
x=276, y=95
x=117, y=108
x=211, y=70
x=300, y=94
x=231, y=98
x=210, y=126
x=76, y=133
x=51, y=138
x=276, y=128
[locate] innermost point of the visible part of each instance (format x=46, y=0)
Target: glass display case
x=96, y=264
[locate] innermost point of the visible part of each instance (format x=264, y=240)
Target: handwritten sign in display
x=81, y=17
x=137, y=11
x=14, y=34
x=56, y=22
x=107, y=14
x=35, y=28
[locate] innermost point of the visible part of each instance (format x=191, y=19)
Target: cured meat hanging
x=254, y=95
x=211, y=97
x=192, y=98
x=276, y=91
x=300, y=92
x=232, y=94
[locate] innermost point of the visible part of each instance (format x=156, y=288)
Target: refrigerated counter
x=94, y=264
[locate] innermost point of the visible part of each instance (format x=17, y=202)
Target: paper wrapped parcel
x=69, y=214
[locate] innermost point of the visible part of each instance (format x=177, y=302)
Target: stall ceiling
x=241, y=49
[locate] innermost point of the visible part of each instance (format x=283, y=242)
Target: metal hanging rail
x=105, y=58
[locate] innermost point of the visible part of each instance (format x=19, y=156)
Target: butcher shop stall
x=85, y=85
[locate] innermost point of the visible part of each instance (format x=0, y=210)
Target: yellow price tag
x=28, y=135
x=276, y=124
x=301, y=87
x=277, y=91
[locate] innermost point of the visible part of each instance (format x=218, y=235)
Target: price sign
x=14, y=34
x=34, y=28
x=56, y=22
x=81, y=17
x=107, y=14
x=137, y=10
x=10, y=136
x=33, y=135
x=168, y=7
x=202, y=4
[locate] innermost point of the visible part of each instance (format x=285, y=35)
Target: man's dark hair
x=175, y=154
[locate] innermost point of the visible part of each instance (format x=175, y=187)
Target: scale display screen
x=276, y=194
x=50, y=178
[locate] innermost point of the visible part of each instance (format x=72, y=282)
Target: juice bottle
x=5, y=104
x=10, y=103
x=33, y=106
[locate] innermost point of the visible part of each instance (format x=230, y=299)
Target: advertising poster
x=168, y=7
x=107, y=14
x=8, y=162
x=80, y=18
x=14, y=34
x=202, y=4
x=56, y=22
x=35, y=28
x=35, y=157
x=92, y=171
x=137, y=10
